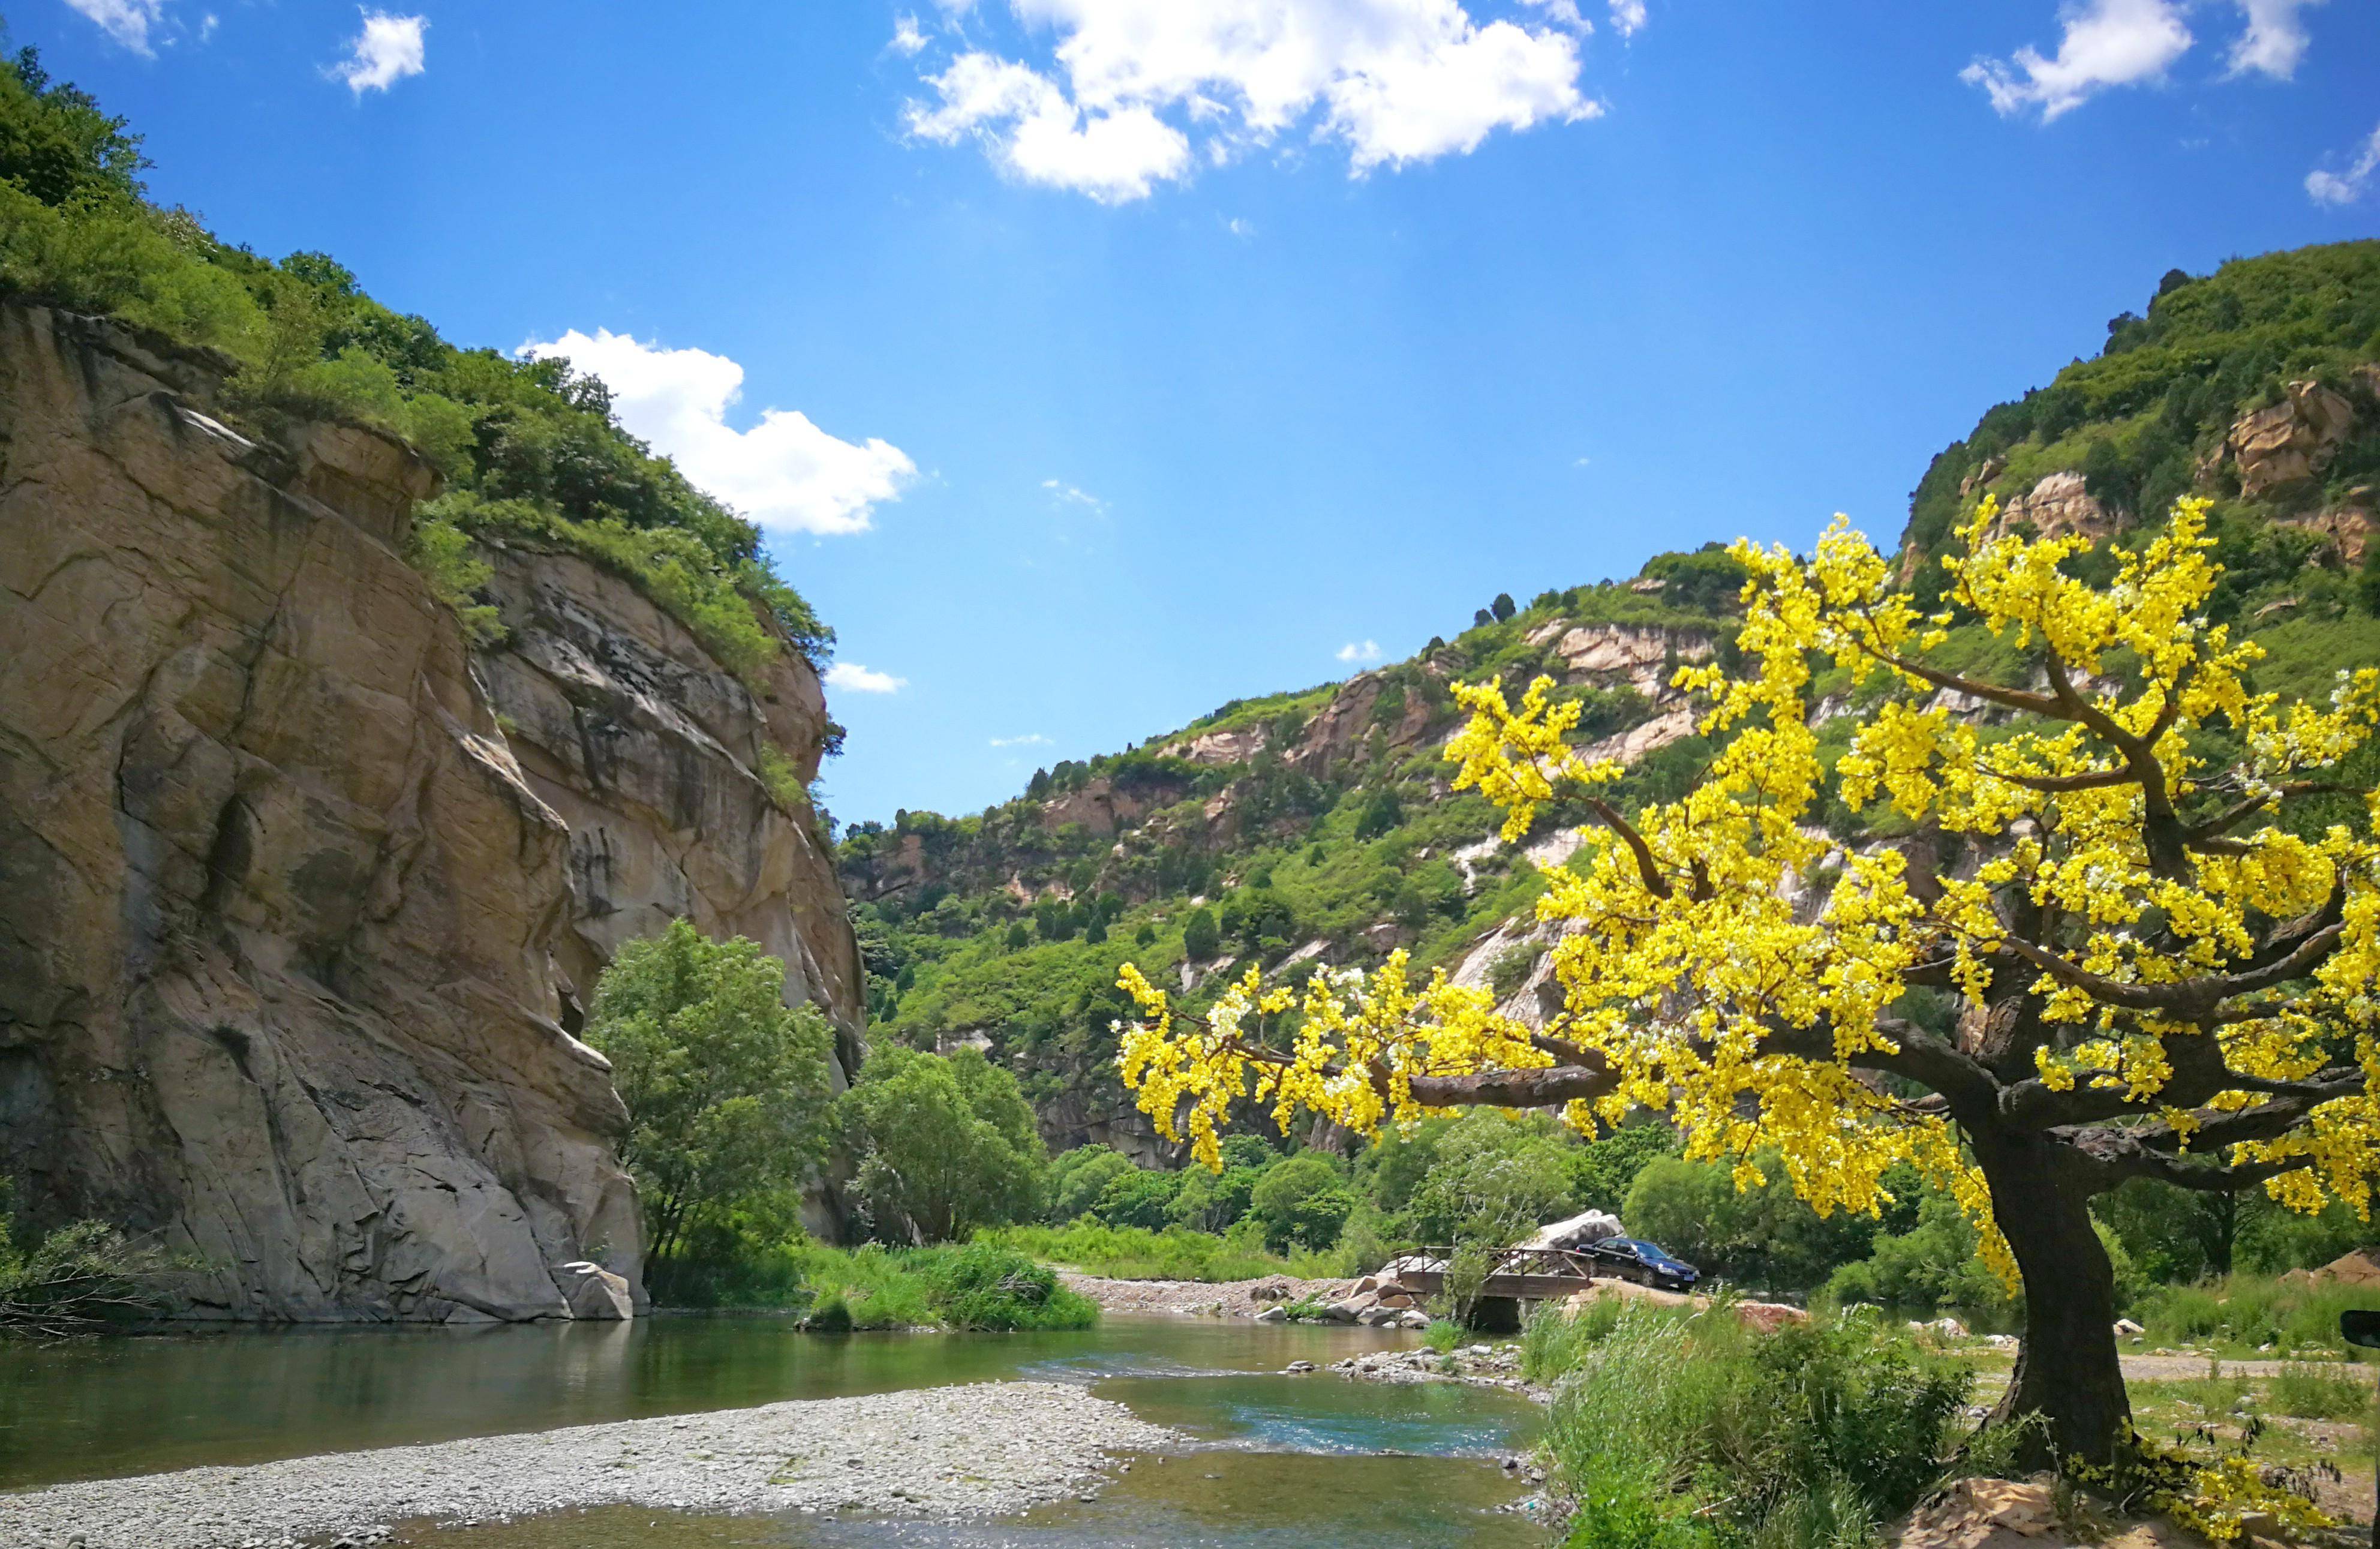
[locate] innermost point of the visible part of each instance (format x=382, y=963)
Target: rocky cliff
x=298, y=902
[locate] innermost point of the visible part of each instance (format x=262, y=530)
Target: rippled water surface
x=1279, y=1462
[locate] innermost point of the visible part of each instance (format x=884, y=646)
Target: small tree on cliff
x=726, y=1086
x=2163, y=970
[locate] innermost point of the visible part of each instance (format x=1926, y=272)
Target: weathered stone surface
x=278, y=909
x=2059, y=505
x=595, y=1293
x=2289, y=441
x=652, y=753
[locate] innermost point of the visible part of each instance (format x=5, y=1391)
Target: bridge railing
x=1535, y=1264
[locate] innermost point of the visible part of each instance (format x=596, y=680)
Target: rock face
x=653, y=754
x=2057, y=505
x=2292, y=440
x=289, y=939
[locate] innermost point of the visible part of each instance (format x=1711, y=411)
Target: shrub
x=78, y=1279
x=984, y=1286
x=1443, y=1336
x=1691, y=1429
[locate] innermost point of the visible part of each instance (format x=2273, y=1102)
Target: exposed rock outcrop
x=274, y=972
x=654, y=755
x=2289, y=441
x=290, y=946
x=2057, y=505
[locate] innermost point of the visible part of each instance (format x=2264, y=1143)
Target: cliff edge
x=293, y=935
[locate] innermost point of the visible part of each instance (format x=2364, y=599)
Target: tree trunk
x=2068, y=1369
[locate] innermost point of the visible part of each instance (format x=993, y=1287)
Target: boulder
x=1768, y=1317
x=593, y=1292
x=2126, y=1328
x=1271, y=1290
x=1342, y=1312
x=1576, y=1231
x=1273, y=1315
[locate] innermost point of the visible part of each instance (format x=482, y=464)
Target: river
x=1281, y=1463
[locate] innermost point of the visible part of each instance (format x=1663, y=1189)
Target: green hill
x=1316, y=825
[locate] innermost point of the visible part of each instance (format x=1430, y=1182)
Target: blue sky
x=1095, y=361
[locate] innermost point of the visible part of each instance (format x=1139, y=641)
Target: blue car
x=1628, y=1257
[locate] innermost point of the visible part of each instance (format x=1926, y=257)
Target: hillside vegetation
x=528, y=449
x=1316, y=826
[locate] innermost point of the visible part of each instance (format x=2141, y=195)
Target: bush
x=984, y=1286
x=1679, y=1429
x=79, y=1280
x=2251, y=1310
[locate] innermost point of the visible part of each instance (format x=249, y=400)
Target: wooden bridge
x=1520, y=1274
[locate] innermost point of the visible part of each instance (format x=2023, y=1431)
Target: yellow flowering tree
x=2162, y=967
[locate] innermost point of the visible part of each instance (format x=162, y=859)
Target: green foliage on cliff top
x=2138, y=419
x=526, y=446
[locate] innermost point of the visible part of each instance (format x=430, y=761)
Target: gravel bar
x=987, y=1449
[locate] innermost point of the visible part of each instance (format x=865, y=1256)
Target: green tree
x=1018, y=937
x=726, y=1086
x=1301, y=1202
x=1139, y=1197
x=1201, y=938
x=1078, y=1177
x=1502, y=607
x=54, y=141
x=945, y=1145
x=1493, y=1180
x=1602, y=1172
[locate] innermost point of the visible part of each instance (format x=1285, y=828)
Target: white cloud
x=1627, y=16
x=863, y=680
x=1036, y=135
x=206, y=25
x=128, y=21
x=2275, y=41
x=907, y=38
x=386, y=52
x=2107, y=42
x=1030, y=739
x=1067, y=495
x=1130, y=80
x=784, y=473
x=2332, y=188
x=1239, y=229
x=1368, y=650
x=1566, y=13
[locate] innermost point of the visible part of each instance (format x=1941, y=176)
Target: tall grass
x=1676, y=1430
x=2252, y=1310
x=2321, y=1392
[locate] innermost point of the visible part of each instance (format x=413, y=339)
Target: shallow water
x=1279, y=1462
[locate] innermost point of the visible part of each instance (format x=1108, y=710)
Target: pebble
x=1020, y=1444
